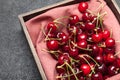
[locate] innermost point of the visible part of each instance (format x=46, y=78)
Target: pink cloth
x=35, y=25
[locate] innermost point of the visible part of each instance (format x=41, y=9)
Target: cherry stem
x=82, y=56
x=53, y=39
x=72, y=70
x=117, y=53
x=74, y=60
x=68, y=75
x=100, y=7
x=67, y=17
x=91, y=59
x=80, y=47
x=58, y=22
x=52, y=52
x=47, y=35
x=111, y=33
x=68, y=72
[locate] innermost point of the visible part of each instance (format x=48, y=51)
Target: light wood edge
x=117, y=7
x=34, y=53
x=46, y=7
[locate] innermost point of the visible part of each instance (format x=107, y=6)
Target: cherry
x=63, y=37
x=81, y=78
x=109, y=50
x=106, y=34
x=97, y=37
x=73, y=19
x=66, y=48
x=82, y=44
x=73, y=52
x=83, y=6
x=51, y=35
x=110, y=42
x=81, y=36
x=118, y=62
x=89, y=26
x=85, y=16
x=112, y=70
x=95, y=50
x=85, y=69
x=102, y=68
x=99, y=59
x=100, y=51
x=82, y=26
x=63, y=58
x=60, y=70
x=51, y=26
x=73, y=30
x=110, y=58
x=97, y=76
x=52, y=45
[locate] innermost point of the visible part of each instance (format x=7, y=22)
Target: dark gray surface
x=16, y=60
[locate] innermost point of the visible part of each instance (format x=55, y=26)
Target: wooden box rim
x=22, y=21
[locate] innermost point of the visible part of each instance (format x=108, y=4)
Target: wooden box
x=26, y=16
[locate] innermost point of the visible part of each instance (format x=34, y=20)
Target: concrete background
x=16, y=60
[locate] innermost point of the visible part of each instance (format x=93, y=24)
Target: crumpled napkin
x=36, y=24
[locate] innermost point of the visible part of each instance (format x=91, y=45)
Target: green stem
x=72, y=70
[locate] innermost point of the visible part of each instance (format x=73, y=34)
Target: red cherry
x=52, y=45
x=81, y=36
x=110, y=58
x=63, y=37
x=83, y=6
x=51, y=26
x=73, y=52
x=89, y=26
x=63, y=58
x=95, y=50
x=99, y=59
x=106, y=34
x=82, y=44
x=97, y=37
x=85, y=16
x=97, y=76
x=110, y=42
x=85, y=68
x=60, y=70
x=73, y=19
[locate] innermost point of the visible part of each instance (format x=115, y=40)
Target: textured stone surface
x=16, y=60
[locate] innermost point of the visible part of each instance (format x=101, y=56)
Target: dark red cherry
x=51, y=26
x=73, y=52
x=95, y=50
x=81, y=36
x=118, y=62
x=66, y=48
x=82, y=26
x=100, y=51
x=102, y=68
x=97, y=76
x=89, y=26
x=60, y=70
x=81, y=78
x=112, y=70
x=99, y=59
x=63, y=58
x=109, y=50
x=73, y=19
x=110, y=42
x=106, y=34
x=83, y=6
x=82, y=44
x=97, y=37
x=85, y=68
x=52, y=44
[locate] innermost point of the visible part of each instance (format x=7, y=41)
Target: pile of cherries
x=86, y=50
